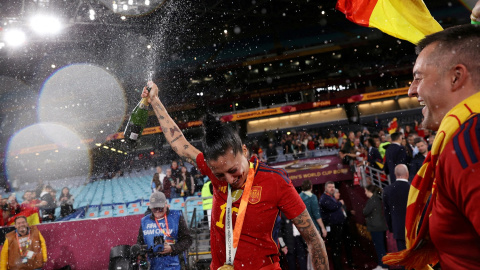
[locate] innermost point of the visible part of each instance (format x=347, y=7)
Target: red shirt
x=272, y=192
x=455, y=220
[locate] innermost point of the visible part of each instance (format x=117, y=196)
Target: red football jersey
x=272, y=192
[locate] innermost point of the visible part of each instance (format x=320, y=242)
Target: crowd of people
x=43, y=201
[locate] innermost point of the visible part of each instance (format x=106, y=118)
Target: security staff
x=169, y=225
x=207, y=193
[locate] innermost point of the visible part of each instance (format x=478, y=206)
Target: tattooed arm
x=171, y=131
x=316, y=246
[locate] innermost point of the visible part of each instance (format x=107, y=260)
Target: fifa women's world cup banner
x=318, y=170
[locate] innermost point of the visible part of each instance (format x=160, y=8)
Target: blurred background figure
x=66, y=202
x=375, y=220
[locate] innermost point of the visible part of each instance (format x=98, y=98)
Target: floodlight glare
x=14, y=37
x=43, y=24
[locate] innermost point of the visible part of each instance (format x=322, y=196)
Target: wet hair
x=306, y=185
x=456, y=45
x=374, y=189
x=219, y=138
x=18, y=217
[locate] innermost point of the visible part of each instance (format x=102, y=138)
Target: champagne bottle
x=137, y=121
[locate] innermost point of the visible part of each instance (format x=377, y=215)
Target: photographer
x=165, y=233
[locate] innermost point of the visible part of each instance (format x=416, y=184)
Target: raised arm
x=171, y=131
x=310, y=234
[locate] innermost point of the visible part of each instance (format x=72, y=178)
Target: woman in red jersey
x=248, y=196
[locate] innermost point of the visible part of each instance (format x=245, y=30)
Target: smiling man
x=444, y=196
x=24, y=248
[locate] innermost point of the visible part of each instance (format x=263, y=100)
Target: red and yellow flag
x=405, y=19
x=392, y=126
x=31, y=214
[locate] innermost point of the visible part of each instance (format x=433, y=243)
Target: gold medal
x=225, y=267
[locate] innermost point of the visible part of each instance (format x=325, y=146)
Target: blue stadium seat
x=92, y=212
x=176, y=204
x=106, y=211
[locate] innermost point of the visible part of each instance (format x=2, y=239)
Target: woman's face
x=65, y=191
x=232, y=168
x=368, y=193
x=184, y=170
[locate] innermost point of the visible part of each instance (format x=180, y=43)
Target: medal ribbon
x=166, y=233
x=231, y=246
x=26, y=246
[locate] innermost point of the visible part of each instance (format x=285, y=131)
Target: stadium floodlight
x=14, y=37
x=45, y=25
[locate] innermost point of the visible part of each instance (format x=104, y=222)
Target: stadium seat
x=106, y=211
x=176, y=204
x=92, y=212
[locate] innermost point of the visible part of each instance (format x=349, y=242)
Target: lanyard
x=166, y=233
x=26, y=246
x=232, y=237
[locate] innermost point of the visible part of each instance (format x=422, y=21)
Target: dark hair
x=456, y=45
x=371, y=141
x=48, y=187
x=219, y=138
x=68, y=193
x=419, y=139
x=374, y=189
x=395, y=136
x=306, y=185
x=15, y=221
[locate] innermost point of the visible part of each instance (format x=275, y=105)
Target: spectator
x=311, y=144
x=375, y=219
x=418, y=160
x=411, y=143
x=333, y=218
x=24, y=248
x=395, y=197
x=443, y=218
x=175, y=169
x=294, y=247
x=161, y=176
x=271, y=153
x=374, y=159
x=385, y=141
x=395, y=154
x=185, y=184
x=311, y=202
x=197, y=179
x=66, y=202
x=30, y=201
x=168, y=184
x=169, y=225
x=156, y=185
x=347, y=236
x=47, y=204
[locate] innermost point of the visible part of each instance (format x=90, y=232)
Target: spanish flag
x=31, y=214
x=405, y=19
x=392, y=126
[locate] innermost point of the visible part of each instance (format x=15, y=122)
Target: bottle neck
x=143, y=104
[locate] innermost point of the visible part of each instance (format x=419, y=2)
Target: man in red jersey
x=443, y=219
x=247, y=197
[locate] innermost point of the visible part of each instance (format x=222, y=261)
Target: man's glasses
x=158, y=209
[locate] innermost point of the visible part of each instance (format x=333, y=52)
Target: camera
x=158, y=244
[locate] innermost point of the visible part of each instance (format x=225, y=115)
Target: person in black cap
x=164, y=226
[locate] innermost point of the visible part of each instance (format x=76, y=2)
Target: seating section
x=121, y=196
